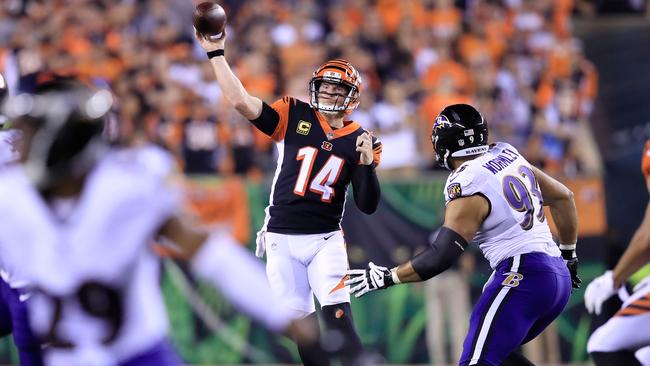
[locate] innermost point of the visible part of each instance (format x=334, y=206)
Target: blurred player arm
x=635, y=256
x=367, y=191
x=637, y=253
x=463, y=217
x=227, y=265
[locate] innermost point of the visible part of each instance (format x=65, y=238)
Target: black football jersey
x=315, y=165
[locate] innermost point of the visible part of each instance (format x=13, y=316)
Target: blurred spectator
x=202, y=136
x=394, y=121
x=516, y=60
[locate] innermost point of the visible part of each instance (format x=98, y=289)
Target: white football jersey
x=92, y=251
x=516, y=223
x=8, y=154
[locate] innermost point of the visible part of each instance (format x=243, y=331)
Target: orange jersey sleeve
x=282, y=107
x=273, y=119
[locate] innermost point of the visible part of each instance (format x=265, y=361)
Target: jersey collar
x=332, y=134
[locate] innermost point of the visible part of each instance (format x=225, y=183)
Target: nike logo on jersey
x=329, y=236
x=456, y=172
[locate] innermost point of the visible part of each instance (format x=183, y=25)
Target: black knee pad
x=337, y=313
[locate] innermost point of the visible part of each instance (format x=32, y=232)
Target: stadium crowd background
x=516, y=60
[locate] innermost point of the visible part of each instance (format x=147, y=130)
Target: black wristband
x=388, y=278
x=568, y=254
x=216, y=53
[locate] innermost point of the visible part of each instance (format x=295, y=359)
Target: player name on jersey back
x=501, y=161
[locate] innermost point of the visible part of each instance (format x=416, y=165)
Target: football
x=209, y=19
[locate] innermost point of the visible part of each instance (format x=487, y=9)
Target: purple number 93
x=520, y=198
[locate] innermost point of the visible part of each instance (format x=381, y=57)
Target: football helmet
x=62, y=124
x=337, y=71
x=458, y=131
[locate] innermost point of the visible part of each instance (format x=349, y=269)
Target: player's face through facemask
x=332, y=94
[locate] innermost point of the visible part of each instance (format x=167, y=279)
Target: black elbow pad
x=442, y=253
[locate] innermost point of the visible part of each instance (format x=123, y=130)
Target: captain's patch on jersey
x=453, y=190
x=303, y=127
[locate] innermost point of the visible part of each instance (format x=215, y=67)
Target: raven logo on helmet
x=441, y=122
x=458, y=131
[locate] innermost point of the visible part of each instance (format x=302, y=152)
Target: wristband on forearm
x=394, y=277
x=216, y=53
x=568, y=251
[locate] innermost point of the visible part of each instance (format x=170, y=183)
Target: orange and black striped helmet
x=337, y=71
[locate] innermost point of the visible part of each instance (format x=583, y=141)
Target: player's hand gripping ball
x=209, y=19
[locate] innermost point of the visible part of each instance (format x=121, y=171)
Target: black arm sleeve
x=442, y=253
x=268, y=120
x=366, y=188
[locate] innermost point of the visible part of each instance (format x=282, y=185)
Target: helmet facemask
x=350, y=99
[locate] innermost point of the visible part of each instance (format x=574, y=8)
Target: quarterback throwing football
x=319, y=154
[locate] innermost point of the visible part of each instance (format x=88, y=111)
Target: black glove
x=571, y=261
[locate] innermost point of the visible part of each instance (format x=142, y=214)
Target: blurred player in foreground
x=616, y=341
x=13, y=308
x=8, y=153
x=320, y=153
x=78, y=223
x=495, y=197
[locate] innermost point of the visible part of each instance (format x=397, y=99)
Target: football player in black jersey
x=319, y=153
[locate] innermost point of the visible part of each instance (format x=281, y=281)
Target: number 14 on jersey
x=323, y=180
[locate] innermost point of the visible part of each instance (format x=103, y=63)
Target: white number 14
x=324, y=179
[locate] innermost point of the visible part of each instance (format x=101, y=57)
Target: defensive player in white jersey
x=8, y=136
x=617, y=341
x=78, y=223
x=494, y=197
x=13, y=308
